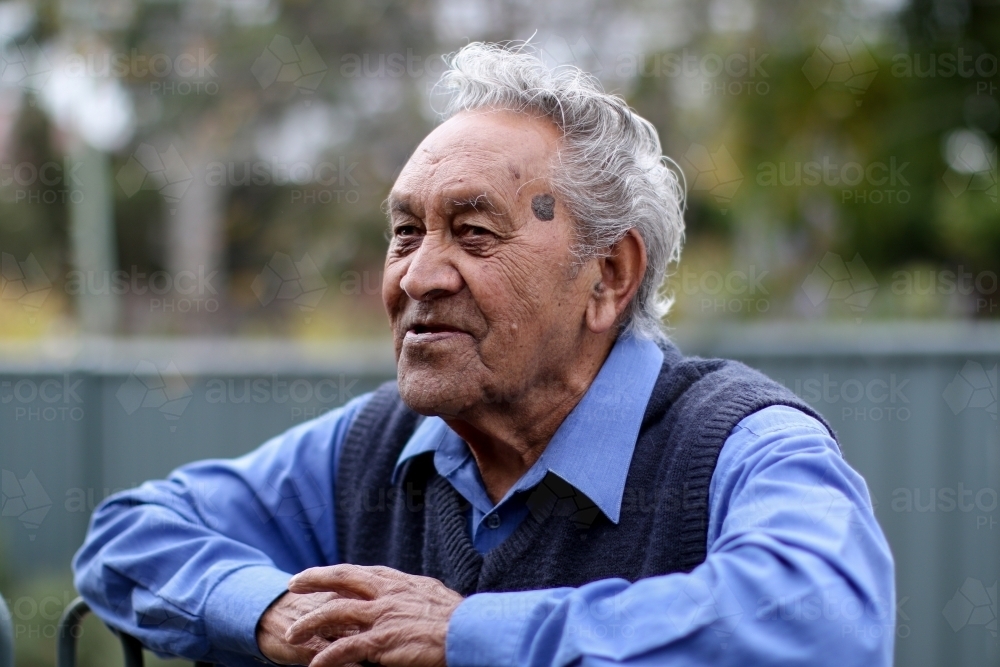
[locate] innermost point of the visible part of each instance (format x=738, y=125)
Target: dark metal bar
x=6, y=636
x=132, y=650
x=68, y=631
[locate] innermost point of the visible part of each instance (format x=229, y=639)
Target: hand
x=393, y=618
x=280, y=616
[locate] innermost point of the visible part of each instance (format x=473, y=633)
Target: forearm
x=188, y=565
x=797, y=571
x=725, y=612
x=152, y=569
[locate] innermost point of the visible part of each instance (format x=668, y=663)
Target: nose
x=430, y=273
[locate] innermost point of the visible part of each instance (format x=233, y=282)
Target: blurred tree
x=859, y=128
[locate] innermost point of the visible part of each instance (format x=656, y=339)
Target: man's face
x=480, y=285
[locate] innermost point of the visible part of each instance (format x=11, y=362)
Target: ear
x=620, y=274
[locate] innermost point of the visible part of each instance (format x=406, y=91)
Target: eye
x=405, y=238
x=472, y=230
x=406, y=233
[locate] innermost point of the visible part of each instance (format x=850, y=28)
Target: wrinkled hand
x=280, y=616
x=379, y=614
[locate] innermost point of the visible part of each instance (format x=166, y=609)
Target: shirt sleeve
x=797, y=572
x=188, y=564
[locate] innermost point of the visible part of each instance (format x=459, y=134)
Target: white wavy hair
x=612, y=177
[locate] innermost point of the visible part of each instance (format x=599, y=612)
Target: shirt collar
x=592, y=449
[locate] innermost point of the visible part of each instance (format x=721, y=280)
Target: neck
x=507, y=437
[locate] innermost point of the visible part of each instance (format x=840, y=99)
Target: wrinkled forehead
x=511, y=154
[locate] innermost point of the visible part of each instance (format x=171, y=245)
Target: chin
x=432, y=392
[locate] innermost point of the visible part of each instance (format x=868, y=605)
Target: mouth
x=428, y=332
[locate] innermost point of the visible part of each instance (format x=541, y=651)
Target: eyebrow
x=479, y=202
x=453, y=205
x=399, y=206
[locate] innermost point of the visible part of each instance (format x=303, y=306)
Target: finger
x=347, y=651
x=390, y=573
x=351, y=578
x=332, y=618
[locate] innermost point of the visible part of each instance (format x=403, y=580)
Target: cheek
x=525, y=286
x=392, y=292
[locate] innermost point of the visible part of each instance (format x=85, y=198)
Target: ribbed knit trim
x=357, y=446
x=449, y=507
x=693, y=408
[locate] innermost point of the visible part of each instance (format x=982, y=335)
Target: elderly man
x=549, y=481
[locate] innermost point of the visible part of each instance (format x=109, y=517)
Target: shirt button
x=493, y=521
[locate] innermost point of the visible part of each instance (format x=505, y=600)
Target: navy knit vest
x=419, y=524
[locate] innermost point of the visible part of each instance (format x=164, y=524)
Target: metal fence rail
x=69, y=629
x=6, y=636
x=914, y=406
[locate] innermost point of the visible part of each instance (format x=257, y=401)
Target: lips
x=433, y=328
x=426, y=332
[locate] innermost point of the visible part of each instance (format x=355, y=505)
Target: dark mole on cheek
x=543, y=206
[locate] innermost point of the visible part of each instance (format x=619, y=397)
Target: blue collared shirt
x=797, y=570
x=605, y=415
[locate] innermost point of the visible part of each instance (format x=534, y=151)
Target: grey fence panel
x=914, y=408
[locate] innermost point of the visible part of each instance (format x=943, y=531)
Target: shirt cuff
x=236, y=604
x=487, y=629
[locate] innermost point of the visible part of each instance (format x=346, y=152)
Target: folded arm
x=798, y=572
x=189, y=564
